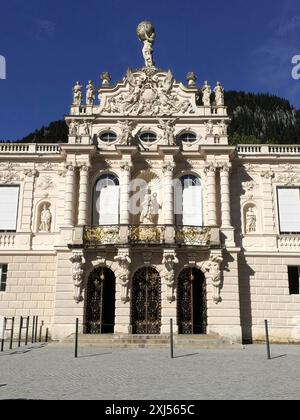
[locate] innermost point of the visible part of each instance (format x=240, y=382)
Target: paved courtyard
x=52, y=372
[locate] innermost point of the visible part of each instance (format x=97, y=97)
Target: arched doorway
x=191, y=302
x=100, y=302
x=146, y=301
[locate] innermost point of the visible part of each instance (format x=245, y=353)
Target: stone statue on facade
x=219, y=94
x=127, y=127
x=123, y=273
x=168, y=274
x=212, y=269
x=209, y=128
x=206, y=94
x=46, y=219
x=149, y=211
x=86, y=128
x=222, y=128
x=77, y=94
x=90, y=93
x=146, y=34
x=191, y=79
x=250, y=221
x=73, y=128
x=77, y=261
x=168, y=128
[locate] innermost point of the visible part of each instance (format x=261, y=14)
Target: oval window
x=108, y=137
x=148, y=137
x=188, y=137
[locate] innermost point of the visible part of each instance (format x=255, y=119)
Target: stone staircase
x=210, y=341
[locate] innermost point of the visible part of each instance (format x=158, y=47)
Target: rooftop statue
x=146, y=33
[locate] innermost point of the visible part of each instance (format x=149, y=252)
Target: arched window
x=188, y=205
x=106, y=201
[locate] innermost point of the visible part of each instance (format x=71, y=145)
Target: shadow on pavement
x=93, y=355
x=278, y=357
x=2, y=385
x=23, y=350
x=186, y=355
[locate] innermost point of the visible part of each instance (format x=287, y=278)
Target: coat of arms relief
x=148, y=92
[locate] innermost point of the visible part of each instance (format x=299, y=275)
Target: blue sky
x=49, y=44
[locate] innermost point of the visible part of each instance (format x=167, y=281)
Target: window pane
x=294, y=280
x=3, y=275
x=148, y=137
x=289, y=209
x=108, y=137
x=9, y=197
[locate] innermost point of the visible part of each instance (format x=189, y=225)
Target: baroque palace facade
x=148, y=214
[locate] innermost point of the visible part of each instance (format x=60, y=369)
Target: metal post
x=41, y=330
x=171, y=339
x=47, y=334
x=20, y=331
x=27, y=330
x=3, y=334
x=76, y=338
x=12, y=333
x=32, y=333
x=267, y=340
x=36, y=328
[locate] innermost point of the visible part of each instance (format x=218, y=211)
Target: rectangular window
x=289, y=210
x=3, y=276
x=294, y=280
x=9, y=199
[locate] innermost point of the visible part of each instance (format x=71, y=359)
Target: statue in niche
x=149, y=207
x=169, y=131
x=206, y=91
x=46, y=219
x=90, y=93
x=77, y=94
x=219, y=94
x=146, y=34
x=250, y=220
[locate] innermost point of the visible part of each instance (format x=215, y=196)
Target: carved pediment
x=147, y=92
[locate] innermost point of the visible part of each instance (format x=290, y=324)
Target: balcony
x=147, y=235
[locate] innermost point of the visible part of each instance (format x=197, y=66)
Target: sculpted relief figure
x=77, y=94
x=149, y=207
x=250, y=221
x=86, y=128
x=46, y=219
x=169, y=131
x=73, y=128
x=212, y=269
x=90, y=93
x=168, y=274
x=146, y=34
x=206, y=91
x=219, y=94
x=126, y=131
x=209, y=127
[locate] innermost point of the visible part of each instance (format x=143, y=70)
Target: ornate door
x=146, y=302
x=100, y=305
x=191, y=302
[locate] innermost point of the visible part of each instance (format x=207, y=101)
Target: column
x=83, y=195
x=69, y=195
x=168, y=193
x=212, y=199
x=225, y=196
x=124, y=193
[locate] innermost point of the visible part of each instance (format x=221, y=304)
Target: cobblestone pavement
x=52, y=372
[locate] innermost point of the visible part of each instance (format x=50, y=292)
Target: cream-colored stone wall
x=31, y=285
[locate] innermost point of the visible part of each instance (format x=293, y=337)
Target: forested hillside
x=255, y=118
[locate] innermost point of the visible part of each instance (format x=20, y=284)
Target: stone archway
x=191, y=302
x=146, y=301
x=100, y=302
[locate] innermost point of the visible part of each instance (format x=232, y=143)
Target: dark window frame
x=294, y=279
x=3, y=279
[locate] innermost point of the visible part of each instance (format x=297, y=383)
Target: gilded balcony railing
x=148, y=235
x=192, y=235
x=101, y=235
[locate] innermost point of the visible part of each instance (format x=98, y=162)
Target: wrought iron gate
x=191, y=302
x=146, y=302
x=100, y=305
